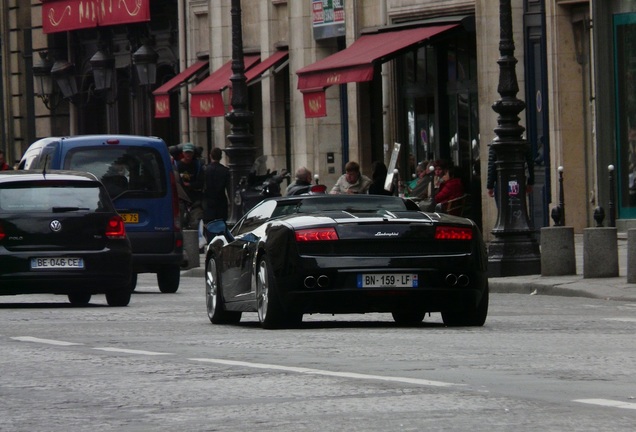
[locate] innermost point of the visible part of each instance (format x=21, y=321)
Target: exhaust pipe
x=310, y=282
x=463, y=280
x=451, y=279
x=323, y=281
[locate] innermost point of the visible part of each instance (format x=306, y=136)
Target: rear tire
x=119, y=298
x=133, y=281
x=214, y=299
x=474, y=317
x=79, y=299
x=408, y=318
x=271, y=313
x=168, y=279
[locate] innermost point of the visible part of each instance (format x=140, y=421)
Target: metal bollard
x=558, y=212
x=599, y=216
x=612, y=198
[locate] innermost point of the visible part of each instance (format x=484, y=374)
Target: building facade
x=432, y=95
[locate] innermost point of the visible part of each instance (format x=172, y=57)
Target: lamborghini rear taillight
x=453, y=233
x=316, y=234
x=115, y=228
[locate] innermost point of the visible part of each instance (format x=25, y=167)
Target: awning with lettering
x=66, y=15
x=161, y=94
x=356, y=63
x=256, y=71
x=206, y=99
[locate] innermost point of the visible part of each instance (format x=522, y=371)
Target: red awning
x=260, y=68
x=206, y=100
x=162, y=98
x=65, y=15
x=356, y=63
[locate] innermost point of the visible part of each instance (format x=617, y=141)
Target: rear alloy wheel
x=268, y=304
x=168, y=279
x=408, y=317
x=119, y=298
x=79, y=299
x=213, y=298
x=475, y=317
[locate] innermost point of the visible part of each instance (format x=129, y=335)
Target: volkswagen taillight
x=115, y=228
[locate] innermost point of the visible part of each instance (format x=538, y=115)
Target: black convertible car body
x=345, y=254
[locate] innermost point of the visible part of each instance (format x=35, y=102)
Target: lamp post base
x=514, y=256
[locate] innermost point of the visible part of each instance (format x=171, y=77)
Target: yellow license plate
x=131, y=218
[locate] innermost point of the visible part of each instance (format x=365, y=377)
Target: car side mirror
x=215, y=228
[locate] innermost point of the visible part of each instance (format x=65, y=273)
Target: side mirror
x=215, y=228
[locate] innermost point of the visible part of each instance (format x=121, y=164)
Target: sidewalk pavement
x=614, y=288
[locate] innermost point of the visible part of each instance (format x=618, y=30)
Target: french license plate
x=391, y=280
x=57, y=263
x=130, y=218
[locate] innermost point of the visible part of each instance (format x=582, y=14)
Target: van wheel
x=168, y=279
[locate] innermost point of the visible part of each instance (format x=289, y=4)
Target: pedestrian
x=378, y=178
x=352, y=181
x=422, y=186
x=4, y=166
x=302, y=184
x=190, y=169
x=451, y=187
x=216, y=188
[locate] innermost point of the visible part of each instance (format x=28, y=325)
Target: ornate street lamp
x=240, y=150
x=145, y=61
x=515, y=250
x=103, y=66
x=43, y=82
x=63, y=73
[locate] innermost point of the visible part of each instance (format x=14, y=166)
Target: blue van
x=137, y=173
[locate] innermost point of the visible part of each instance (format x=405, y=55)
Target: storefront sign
x=162, y=106
x=328, y=18
x=65, y=15
x=315, y=103
x=207, y=105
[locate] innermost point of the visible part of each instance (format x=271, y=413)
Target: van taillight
x=316, y=234
x=453, y=233
x=115, y=228
x=176, y=215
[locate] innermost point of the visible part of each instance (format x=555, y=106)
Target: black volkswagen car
x=60, y=234
x=346, y=254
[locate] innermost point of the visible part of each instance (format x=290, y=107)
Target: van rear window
x=132, y=172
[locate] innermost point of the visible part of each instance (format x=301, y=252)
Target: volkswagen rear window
x=26, y=197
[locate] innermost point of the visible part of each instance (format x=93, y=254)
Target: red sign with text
x=65, y=15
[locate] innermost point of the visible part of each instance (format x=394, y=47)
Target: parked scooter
x=258, y=185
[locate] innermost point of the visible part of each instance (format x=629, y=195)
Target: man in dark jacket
x=216, y=190
x=302, y=183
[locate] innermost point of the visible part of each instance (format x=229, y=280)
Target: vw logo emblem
x=55, y=225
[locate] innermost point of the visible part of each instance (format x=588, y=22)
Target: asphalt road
x=540, y=363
